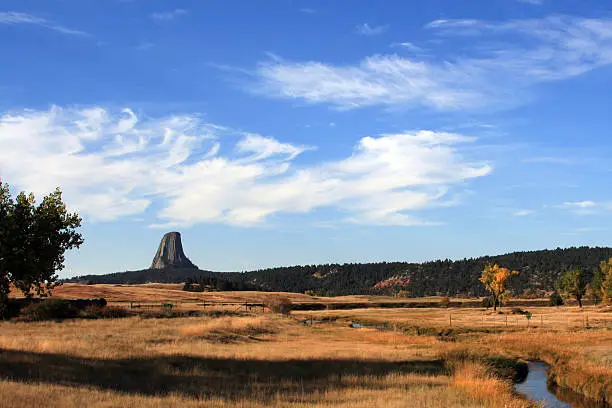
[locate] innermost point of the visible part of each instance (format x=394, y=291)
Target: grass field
x=415, y=359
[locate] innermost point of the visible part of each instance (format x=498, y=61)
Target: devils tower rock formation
x=170, y=253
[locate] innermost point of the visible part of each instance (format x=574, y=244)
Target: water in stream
x=536, y=388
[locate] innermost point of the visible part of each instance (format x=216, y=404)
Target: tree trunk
x=579, y=299
x=494, y=303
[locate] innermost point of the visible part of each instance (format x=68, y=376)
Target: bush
x=310, y=292
x=104, y=312
x=555, y=299
x=403, y=294
x=518, y=310
x=49, y=309
x=167, y=313
x=279, y=304
x=445, y=301
x=486, y=302
x=4, y=307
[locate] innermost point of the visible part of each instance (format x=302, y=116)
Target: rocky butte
x=170, y=253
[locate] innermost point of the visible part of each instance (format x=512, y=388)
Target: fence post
x=450, y=320
x=506, y=321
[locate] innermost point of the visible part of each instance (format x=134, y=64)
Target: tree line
x=539, y=273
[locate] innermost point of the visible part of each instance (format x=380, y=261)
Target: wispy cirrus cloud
x=168, y=15
x=504, y=60
x=586, y=207
x=117, y=164
x=532, y=2
x=17, y=18
x=523, y=213
x=367, y=30
x=408, y=46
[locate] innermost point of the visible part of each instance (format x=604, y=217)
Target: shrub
x=486, y=302
x=279, y=304
x=403, y=294
x=555, y=299
x=445, y=301
x=49, y=309
x=518, y=310
x=104, y=312
x=310, y=292
x=166, y=313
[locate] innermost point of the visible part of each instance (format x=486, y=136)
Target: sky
x=285, y=132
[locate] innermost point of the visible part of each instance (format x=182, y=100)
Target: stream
x=536, y=388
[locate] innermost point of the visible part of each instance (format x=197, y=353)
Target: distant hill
x=539, y=270
x=167, y=275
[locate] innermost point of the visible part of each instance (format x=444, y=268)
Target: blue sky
x=299, y=131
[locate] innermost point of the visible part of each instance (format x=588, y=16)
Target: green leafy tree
x=33, y=240
x=573, y=284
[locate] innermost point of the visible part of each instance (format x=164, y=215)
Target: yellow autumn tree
x=606, y=278
x=495, y=279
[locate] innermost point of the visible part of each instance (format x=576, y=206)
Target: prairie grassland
x=552, y=318
x=581, y=356
x=260, y=360
x=157, y=292
x=250, y=361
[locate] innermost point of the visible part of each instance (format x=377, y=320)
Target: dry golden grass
x=175, y=362
x=157, y=292
x=475, y=380
x=392, y=391
x=230, y=328
x=581, y=360
x=268, y=360
x=550, y=318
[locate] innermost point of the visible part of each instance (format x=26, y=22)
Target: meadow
x=399, y=357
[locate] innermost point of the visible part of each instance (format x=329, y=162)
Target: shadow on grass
x=201, y=377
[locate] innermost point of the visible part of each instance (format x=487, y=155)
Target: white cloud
x=307, y=10
x=533, y=2
x=261, y=147
x=589, y=229
x=379, y=80
x=15, y=18
x=409, y=46
x=168, y=15
x=586, y=207
x=116, y=164
x=503, y=60
x=523, y=213
x=365, y=29
x=580, y=204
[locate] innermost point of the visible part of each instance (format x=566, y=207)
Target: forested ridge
x=539, y=270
